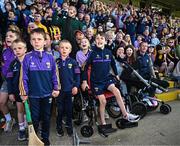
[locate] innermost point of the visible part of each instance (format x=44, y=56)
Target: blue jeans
x=41, y=111
x=64, y=106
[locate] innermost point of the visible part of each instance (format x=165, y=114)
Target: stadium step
x=172, y=94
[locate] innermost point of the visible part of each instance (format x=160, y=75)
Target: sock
x=21, y=126
x=8, y=117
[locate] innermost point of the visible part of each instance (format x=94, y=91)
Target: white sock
x=21, y=126
x=25, y=122
x=8, y=117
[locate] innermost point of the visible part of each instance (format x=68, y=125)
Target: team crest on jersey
x=70, y=65
x=15, y=69
x=107, y=56
x=32, y=64
x=97, y=56
x=96, y=89
x=48, y=64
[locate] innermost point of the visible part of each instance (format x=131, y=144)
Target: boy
x=19, y=48
x=7, y=57
x=69, y=73
x=101, y=60
x=39, y=82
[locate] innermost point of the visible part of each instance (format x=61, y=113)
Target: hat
x=78, y=31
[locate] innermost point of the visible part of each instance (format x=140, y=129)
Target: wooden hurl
x=33, y=139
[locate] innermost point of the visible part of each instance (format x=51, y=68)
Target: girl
x=84, y=53
x=7, y=57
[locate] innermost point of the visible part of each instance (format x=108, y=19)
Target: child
x=19, y=48
x=101, y=60
x=48, y=48
x=7, y=57
x=39, y=82
x=110, y=36
x=154, y=40
x=69, y=73
x=83, y=54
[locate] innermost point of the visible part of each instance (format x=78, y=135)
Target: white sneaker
x=132, y=117
x=9, y=125
x=148, y=101
x=158, y=91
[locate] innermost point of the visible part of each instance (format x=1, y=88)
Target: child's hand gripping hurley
x=33, y=139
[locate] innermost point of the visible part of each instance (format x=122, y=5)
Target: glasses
x=171, y=42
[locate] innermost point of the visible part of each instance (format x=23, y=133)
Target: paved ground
x=154, y=129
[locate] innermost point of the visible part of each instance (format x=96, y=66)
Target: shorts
x=18, y=98
x=4, y=87
x=100, y=88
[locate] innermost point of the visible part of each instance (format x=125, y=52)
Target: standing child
x=39, y=82
x=101, y=61
x=83, y=54
x=69, y=73
x=7, y=57
x=19, y=48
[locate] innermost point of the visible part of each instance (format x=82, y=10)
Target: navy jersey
x=101, y=62
x=69, y=73
x=39, y=75
x=13, y=77
x=143, y=66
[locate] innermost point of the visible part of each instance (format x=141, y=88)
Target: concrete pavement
x=154, y=129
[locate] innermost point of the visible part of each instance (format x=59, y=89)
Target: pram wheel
x=165, y=109
x=113, y=110
x=169, y=107
x=139, y=108
x=87, y=131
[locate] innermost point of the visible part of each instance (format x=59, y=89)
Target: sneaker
x=9, y=125
x=132, y=117
x=69, y=131
x=46, y=142
x=106, y=115
x=158, y=91
x=60, y=132
x=148, y=101
x=22, y=135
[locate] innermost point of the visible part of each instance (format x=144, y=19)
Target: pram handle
x=157, y=86
x=148, y=84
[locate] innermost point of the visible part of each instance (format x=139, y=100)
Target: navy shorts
x=18, y=98
x=100, y=88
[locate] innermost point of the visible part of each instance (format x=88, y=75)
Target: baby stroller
x=144, y=101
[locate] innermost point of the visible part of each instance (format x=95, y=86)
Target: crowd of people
x=47, y=48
